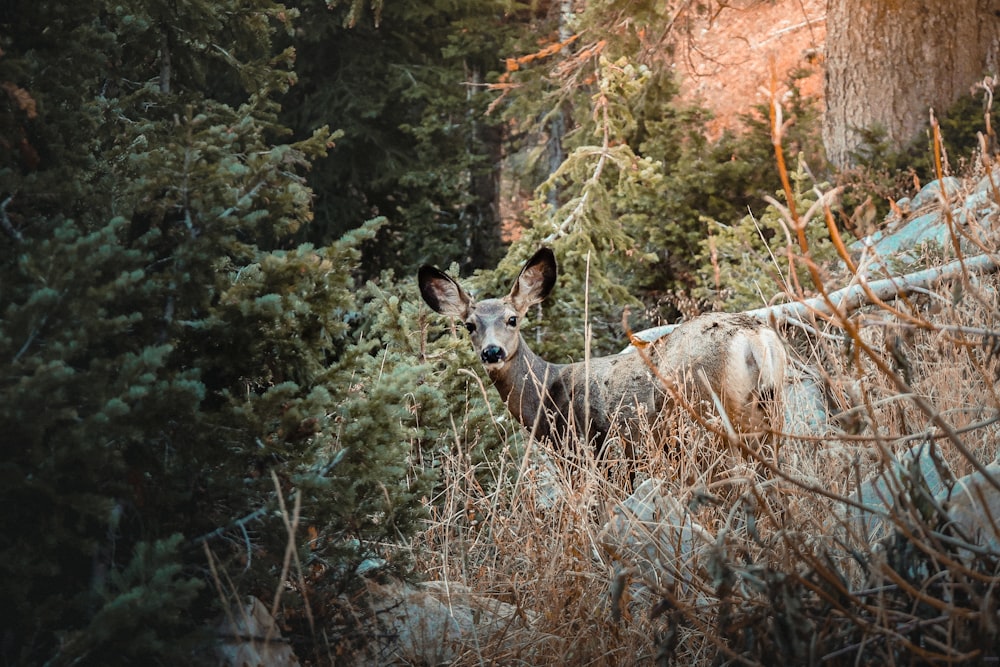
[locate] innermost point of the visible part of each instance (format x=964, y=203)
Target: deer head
x=493, y=324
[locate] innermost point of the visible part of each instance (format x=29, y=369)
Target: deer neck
x=525, y=385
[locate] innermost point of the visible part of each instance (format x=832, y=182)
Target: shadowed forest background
x=218, y=377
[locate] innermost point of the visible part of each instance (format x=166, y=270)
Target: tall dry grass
x=791, y=570
x=787, y=548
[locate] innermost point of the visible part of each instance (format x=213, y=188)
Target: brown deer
x=733, y=357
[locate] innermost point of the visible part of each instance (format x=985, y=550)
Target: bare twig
x=240, y=523
x=291, y=551
x=5, y=221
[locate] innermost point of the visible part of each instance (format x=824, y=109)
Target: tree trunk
x=481, y=218
x=889, y=61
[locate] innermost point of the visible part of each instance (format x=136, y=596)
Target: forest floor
x=727, y=59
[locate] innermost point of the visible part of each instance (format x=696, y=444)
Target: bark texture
x=889, y=61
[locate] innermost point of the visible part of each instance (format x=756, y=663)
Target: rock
x=251, y=639
x=903, y=240
x=654, y=536
x=544, y=478
x=805, y=404
x=919, y=469
x=896, y=243
x=370, y=565
x=985, y=185
x=972, y=502
x=974, y=507
x=931, y=193
x=653, y=542
x=978, y=203
x=435, y=622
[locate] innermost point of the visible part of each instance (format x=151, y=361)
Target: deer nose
x=493, y=354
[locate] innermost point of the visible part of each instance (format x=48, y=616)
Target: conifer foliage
x=186, y=340
x=407, y=84
x=169, y=352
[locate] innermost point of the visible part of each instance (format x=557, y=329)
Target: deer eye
x=470, y=327
x=512, y=321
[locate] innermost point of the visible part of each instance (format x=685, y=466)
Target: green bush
x=701, y=183
x=170, y=348
x=744, y=265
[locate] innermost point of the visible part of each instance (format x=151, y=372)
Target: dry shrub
x=792, y=570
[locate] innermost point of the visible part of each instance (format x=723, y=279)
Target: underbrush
x=840, y=540
x=865, y=530
x=789, y=568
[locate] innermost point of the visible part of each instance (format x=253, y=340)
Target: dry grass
x=758, y=552
x=789, y=570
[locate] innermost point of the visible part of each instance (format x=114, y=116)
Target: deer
x=732, y=360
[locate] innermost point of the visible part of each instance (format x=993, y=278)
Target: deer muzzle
x=493, y=354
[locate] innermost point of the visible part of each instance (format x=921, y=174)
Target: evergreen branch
x=242, y=200
x=592, y=181
x=31, y=338
x=5, y=221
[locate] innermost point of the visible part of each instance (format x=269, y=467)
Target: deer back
x=736, y=357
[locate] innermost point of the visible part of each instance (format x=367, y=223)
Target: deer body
x=734, y=357
x=549, y=398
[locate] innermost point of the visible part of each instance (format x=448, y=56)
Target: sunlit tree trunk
x=889, y=61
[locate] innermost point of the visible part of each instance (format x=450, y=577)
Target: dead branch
x=5, y=221
x=851, y=298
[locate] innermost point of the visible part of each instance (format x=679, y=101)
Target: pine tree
x=170, y=347
x=407, y=85
x=640, y=182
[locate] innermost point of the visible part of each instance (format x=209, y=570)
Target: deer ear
x=535, y=281
x=442, y=293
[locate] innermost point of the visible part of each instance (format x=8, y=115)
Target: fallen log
x=860, y=294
